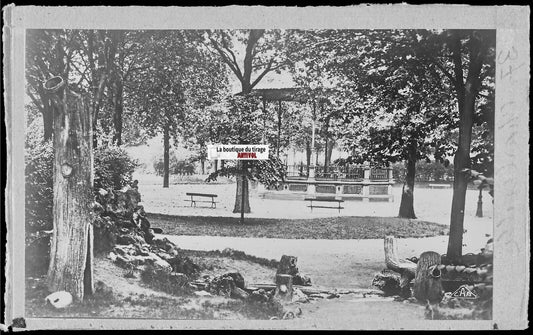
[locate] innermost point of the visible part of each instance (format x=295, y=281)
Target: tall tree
x=467, y=59
x=391, y=102
x=55, y=85
x=237, y=122
x=263, y=53
x=413, y=94
x=179, y=71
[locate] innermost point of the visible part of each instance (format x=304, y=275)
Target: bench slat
x=326, y=207
x=324, y=200
x=202, y=194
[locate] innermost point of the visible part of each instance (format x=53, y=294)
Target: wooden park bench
x=325, y=199
x=202, y=195
x=440, y=186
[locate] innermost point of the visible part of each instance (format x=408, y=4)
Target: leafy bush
x=425, y=172
x=39, y=159
x=182, y=166
x=113, y=168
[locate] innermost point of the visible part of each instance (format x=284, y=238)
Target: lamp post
x=479, y=211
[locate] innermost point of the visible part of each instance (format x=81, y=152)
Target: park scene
x=373, y=200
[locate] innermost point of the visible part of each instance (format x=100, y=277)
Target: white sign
x=237, y=151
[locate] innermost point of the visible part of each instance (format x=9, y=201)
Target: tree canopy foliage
x=383, y=96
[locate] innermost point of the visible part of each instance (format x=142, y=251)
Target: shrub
x=113, y=168
x=425, y=172
x=39, y=159
x=182, y=166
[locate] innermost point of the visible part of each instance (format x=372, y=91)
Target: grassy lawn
x=347, y=227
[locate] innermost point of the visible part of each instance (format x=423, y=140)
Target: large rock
x=123, y=261
x=163, y=265
x=222, y=285
x=240, y=293
x=112, y=256
x=299, y=296
x=389, y=282
x=59, y=300
x=124, y=250
x=300, y=279
x=184, y=265
x=126, y=239
x=260, y=295
x=238, y=279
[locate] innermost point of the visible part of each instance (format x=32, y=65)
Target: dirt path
x=329, y=263
x=350, y=312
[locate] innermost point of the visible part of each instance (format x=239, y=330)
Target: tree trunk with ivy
x=71, y=251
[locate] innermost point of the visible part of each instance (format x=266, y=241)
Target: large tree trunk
x=460, y=182
x=48, y=120
x=242, y=186
x=71, y=251
x=407, y=203
x=329, y=145
x=466, y=100
x=166, y=156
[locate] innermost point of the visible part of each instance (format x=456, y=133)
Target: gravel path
x=329, y=263
x=333, y=263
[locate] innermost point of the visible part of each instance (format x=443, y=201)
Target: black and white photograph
x=292, y=178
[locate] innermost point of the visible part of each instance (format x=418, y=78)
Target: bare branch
x=258, y=79
x=234, y=59
x=226, y=59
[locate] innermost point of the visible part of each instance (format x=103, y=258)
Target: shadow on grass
x=344, y=227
